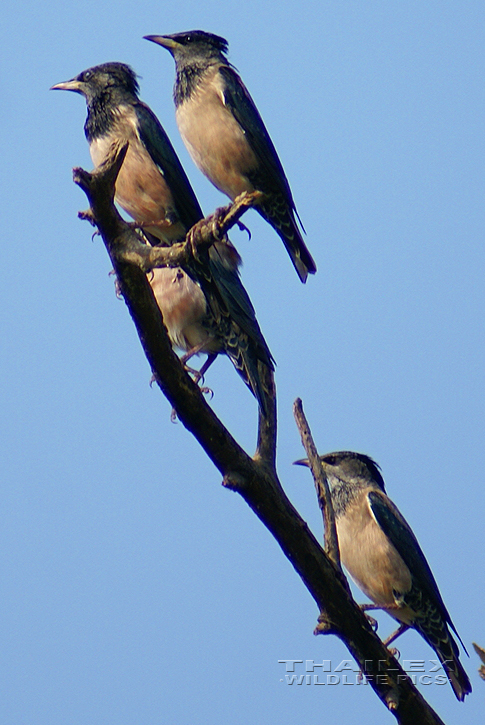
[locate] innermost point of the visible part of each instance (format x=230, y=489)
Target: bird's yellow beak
x=73, y=85
x=163, y=40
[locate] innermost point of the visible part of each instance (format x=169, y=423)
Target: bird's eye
x=331, y=460
x=87, y=75
x=188, y=39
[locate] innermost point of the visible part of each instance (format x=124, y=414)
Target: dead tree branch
x=321, y=484
x=255, y=477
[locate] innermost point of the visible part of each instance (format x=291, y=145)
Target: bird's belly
x=183, y=307
x=141, y=189
x=217, y=145
x=371, y=560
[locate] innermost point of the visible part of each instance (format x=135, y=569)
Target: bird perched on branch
x=204, y=306
x=383, y=557
x=226, y=136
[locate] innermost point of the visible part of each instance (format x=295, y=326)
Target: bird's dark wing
x=278, y=207
x=237, y=99
x=234, y=297
x=232, y=320
x=159, y=147
x=424, y=598
x=398, y=531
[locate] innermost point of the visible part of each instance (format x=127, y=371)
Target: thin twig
x=321, y=485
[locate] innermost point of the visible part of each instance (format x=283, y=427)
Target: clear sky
x=133, y=587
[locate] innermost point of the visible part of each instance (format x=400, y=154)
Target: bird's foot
x=196, y=374
x=87, y=216
x=117, y=287
x=395, y=652
x=243, y=228
x=247, y=199
x=154, y=379
x=216, y=221
x=373, y=622
x=201, y=233
x=203, y=389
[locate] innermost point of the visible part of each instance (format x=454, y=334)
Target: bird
x=226, y=137
x=204, y=305
x=380, y=551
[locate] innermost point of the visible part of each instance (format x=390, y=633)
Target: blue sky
x=133, y=587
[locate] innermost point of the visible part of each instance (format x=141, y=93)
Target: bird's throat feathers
x=189, y=77
x=344, y=494
x=103, y=114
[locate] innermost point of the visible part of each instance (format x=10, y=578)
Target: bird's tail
x=456, y=674
x=282, y=218
x=241, y=352
x=447, y=650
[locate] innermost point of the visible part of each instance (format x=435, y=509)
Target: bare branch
x=254, y=478
x=321, y=484
x=481, y=653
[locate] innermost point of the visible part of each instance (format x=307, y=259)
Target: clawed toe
x=373, y=622
x=243, y=228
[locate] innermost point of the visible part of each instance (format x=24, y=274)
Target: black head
x=193, y=45
x=102, y=83
x=350, y=468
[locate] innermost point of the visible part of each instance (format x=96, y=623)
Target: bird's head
x=102, y=82
x=192, y=46
x=349, y=469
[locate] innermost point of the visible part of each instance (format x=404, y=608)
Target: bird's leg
x=199, y=374
x=384, y=607
x=386, y=642
x=373, y=622
x=224, y=217
x=206, y=365
x=161, y=223
x=193, y=351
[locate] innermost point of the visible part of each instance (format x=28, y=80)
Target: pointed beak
x=163, y=40
x=301, y=462
x=73, y=85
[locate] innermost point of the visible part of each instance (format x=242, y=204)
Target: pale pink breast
x=215, y=140
x=140, y=188
x=371, y=560
x=183, y=307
